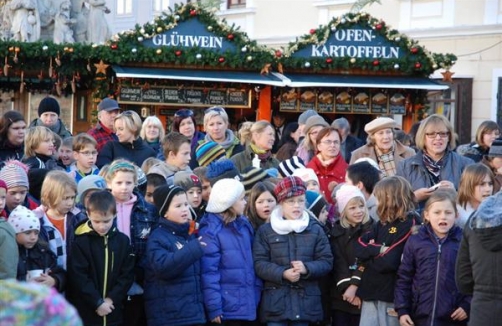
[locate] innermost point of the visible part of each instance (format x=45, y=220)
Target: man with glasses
x=108, y=109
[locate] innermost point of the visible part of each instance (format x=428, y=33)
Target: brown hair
x=326, y=131
x=172, y=143
x=81, y=140
x=472, y=176
x=442, y=194
x=7, y=120
x=485, y=127
x=395, y=198
x=258, y=189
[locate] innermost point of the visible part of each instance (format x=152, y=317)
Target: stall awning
x=296, y=80
x=200, y=75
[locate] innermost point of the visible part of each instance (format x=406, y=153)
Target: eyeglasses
x=292, y=202
x=88, y=154
x=216, y=109
x=183, y=113
x=442, y=134
x=331, y=142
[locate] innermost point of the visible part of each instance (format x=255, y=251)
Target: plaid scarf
x=434, y=167
x=386, y=161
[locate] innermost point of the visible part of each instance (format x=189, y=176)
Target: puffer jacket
x=273, y=254
x=244, y=160
x=425, y=288
x=479, y=262
x=137, y=152
x=173, y=293
x=230, y=286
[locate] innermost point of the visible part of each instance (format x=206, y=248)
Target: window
x=124, y=7
x=160, y=5
x=232, y=4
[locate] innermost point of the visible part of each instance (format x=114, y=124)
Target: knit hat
x=108, y=104
x=49, y=104
x=222, y=169
x=314, y=121
x=315, y=202
x=22, y=220
x=3, y=184
x=306, y=174
x=496, y=148
x=15, y=174
x=163, y=195
x=251, y=176
x=224, y=193
x=209, y=152
x=379, y=124
x=90, y=182
x=36, y=178
x=186, y=180
x=289, y=166
x=345, y=194
x=289, y=187
x=302, y=118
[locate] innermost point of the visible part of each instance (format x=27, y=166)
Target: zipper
x=105, y=280
x=433, y=315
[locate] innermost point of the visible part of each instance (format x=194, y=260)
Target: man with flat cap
x=108, y=109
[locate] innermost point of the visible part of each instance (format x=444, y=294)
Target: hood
x=486, y=223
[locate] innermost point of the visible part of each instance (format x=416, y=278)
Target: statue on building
x=80, y=13
x=98, y=30
x=24, y=20
x=62, y=24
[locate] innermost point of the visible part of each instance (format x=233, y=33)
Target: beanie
x=3, y=184
x=302, y=119
x=163, y=195
x=15, y=174
x=315, y=202
x=306, y=174
x=251, y=176
x=186, y=180
x=224, y=194
x=345, y=194
x=287, y=167
x=289, y=187
x=209, y=152
x=313, y=121
x=222, y=169
x=22, y=220
x=36, y=178
x=90, y=182
x=49, y=104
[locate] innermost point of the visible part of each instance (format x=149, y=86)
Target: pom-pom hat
x=345, y=194
x=222, y=169
x=224, y=194
x=49, y=104
x=289, y=187
x=22, y=220
x=15, y=174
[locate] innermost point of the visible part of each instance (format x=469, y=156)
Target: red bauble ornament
x=221, y=59
x=278, y=53
x=193, y=12
x=378, y=26
x=376, y=62
x=414, y=50
x=329, y=60
x=114, y=46
x=418, y=65
x=312, y=31
x=178, y=53
x=230, y=36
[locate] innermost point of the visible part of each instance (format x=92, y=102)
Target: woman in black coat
x=12, y=131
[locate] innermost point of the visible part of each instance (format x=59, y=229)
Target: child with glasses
x=101, y=269
x=291, y=254
x=85, y=154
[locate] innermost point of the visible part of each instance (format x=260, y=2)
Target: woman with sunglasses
x=130, y=146
x=216, y=127
x=184, y=123
x=436, y=164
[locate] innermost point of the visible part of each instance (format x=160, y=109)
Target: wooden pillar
x=264, y=110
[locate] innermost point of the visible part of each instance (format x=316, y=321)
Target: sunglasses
x=183, y=113
x=216, y=109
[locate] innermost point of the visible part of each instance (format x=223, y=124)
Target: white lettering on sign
x=188, y=41
x=354, y=35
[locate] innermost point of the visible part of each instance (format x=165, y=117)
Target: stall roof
x=201, y=75
x=304, y=80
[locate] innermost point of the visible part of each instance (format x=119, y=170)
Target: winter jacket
x=29, y=202
x=273, y=254
x=479, y=262
x=77, y=175
x=425, y=286
x=9, y=253
x=137, y=152
x=347, y=268
x=173, y=293
x=472, y=151
x=244, y=160
x=380, y=269
x=61, y=131
x=326, y=174
x=10, y=152
x=100, y=267
x=229, y=284
x=42, y=162
x=102, y=135
x=286, y=151
x=401, y=152
x=40, y=257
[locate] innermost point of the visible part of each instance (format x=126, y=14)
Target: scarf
x=227, y=143
x=434, y=167
x=386, y=161
x=56, y=128
x=282, y=226
x=263, y=155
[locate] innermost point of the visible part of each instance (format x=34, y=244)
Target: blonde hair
x=34, y=136
x=55, y=188
x=121, y=165
x=132, y=121
x=442, y=194
x=245, y=132
x=434, y=120
x=81, y=140
x=395, y=198
x=215, y=112
x=148, y=163
x=152, y=120
x=343, y=216
x=472, y=176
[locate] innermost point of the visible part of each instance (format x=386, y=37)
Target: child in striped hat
x=15, y=176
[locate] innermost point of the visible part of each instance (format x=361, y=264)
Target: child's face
x=265, y=204
x=240, y=204
x=27, y=239
x=313, y=186
x=355, y=211
x=292, y=208
x=3, y=194
x=86, y=157
x=101, y=221
x=15, y=197
x=194, y=196
x=67, y=202
x=46, y=147
x=178, y=211
x=323, y=216
x=66, y=155
x=149, y=193
x=206, y=190
x=122, y=185
x=483, y=190
x=182, y=158
x=441, y=215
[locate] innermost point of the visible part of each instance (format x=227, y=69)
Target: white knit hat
x=22, y=220
x=224, y=194
x=306, y=175
x=345, y=194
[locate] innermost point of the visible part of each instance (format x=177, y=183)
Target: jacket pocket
x=312, y=305
x=273, y=301
x=231, y=299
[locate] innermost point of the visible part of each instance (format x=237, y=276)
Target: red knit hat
x=3, y=184
x=289, y=187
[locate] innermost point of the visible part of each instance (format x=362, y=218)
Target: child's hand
x=357, y=302
x=216, y=320
x=105, y=308
x=350, y=293
x=291, y=275
x=46, y=279
x=299, y=266
x=405, y=320
x=459, y=314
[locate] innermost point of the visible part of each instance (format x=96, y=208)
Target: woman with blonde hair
x=216, y=128
x=152, y=132
x=131, y=146
x=259, y=138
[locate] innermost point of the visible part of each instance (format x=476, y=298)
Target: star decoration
x=101, y=67
x=447, y=76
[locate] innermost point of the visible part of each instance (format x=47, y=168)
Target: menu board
x=237, y=98
x=326, y=102
x=397, y=104
x=379, y=103
x=289, y=99
x=308, y=100
x=343, y=102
